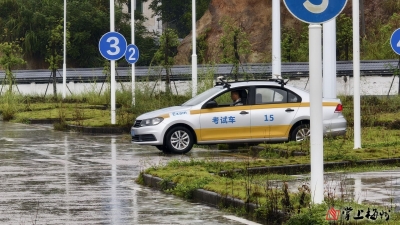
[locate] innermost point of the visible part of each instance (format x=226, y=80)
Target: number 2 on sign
x=131, y=57
x=269, y=118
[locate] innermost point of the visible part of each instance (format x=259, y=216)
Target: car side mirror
x=211, y=104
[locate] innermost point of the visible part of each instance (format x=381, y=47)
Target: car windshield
x=203, y=96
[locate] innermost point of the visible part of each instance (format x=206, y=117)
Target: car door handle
x=244, y=112
x=289, y=110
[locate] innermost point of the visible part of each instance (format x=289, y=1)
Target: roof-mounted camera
x=221, y=80
x=280, y=81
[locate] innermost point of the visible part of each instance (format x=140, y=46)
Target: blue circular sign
x=132, y=54
x=395, y=41
x=315, y=11
x=112, y=45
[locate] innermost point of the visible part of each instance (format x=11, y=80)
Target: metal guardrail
x=301, y=69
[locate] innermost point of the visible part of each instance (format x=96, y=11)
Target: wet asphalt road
x=52, y=177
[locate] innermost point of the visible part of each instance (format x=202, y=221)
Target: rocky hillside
x=255, y=17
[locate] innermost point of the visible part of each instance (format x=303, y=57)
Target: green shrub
x=309, y=216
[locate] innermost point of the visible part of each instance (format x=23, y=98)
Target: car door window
x=271, y=95
x=293, y=98
x=225, y=98
x=267, y=95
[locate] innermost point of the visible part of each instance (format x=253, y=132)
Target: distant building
x=153, y=24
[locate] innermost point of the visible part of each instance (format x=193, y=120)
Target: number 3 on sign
x=316, y=8
x=269, y=118
x=132, y=55
x=114, y=46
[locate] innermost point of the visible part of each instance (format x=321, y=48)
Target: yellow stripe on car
x=269, y=131
x=211, y=134
x=263, y=106
x=221, y=109
x=165, y=116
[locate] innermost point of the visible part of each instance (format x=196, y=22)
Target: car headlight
x=151, y=122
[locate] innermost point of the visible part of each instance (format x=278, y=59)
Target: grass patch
x=87, y=106
x=187, y=171
x=377, y=143
x=86, y=110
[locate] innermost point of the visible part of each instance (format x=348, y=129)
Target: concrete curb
x=200, y=195
x=43, y=121
x=83, y=129
x=99, y=130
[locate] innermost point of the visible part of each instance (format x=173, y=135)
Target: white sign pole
x=329, y=58
x=112, y=29
x=194, y=55
x=65, y=52
x=133, y=4
x=356, y=75
x=276, y=39
x=316, y=137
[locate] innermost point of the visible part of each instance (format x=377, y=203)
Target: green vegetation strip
x=269, y=192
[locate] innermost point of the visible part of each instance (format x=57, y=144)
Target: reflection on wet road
x=51, y=177
x=381, y=188
x=374, y=188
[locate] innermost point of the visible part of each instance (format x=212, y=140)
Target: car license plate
x=132, y=133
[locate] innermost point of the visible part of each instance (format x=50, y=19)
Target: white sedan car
x=270, y=112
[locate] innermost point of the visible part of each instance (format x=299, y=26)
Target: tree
x=294, y=43
x=143, y=40
x=178, y=14
x=234, y=44
x=362, y=15
x=10, y=56
x=376, y=45
x=201, y=46
x=344, y=35
x=33, y=21
x=55, y=52
x=165, y=54
x=287, y=43
x=89, y=20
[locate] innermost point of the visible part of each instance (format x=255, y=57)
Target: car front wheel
x=179, y=140
x=300, y=133
x=162, y=148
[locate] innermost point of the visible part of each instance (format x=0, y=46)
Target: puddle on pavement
x=378, y=188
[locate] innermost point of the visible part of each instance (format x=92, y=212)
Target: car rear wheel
x=179, y=140
x=300, y=133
